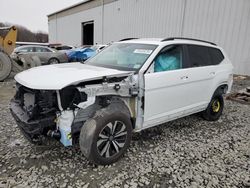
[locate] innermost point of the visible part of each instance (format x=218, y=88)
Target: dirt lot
x=188, y=152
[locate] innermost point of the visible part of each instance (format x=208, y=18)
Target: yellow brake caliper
x=216, y=106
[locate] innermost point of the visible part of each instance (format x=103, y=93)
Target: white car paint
x=178, y=93
x=168, y=95
x=173, y=94
x=56, y=77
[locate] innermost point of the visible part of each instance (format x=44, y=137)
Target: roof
x=155, y=41
x=70, y=7
x=32, y=45
x=159, y=41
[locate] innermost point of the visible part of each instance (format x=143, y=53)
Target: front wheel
x=214, y=109
x=105, y=137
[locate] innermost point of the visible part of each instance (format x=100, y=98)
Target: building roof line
x=69, y=7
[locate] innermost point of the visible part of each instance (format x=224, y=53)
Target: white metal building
x=225, y=22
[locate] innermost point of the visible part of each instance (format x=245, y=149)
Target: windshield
x=123, y=56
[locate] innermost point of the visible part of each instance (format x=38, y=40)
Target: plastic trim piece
x=181, y=38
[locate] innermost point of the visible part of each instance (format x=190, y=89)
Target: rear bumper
x=31, y=129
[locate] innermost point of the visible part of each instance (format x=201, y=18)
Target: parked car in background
x=84, y=53
x=18, y=44
x=32, y=48
x=38, y=55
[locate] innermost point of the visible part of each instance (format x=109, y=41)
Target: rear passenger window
x=40, y=49
x=216, y=55
x=199, y=56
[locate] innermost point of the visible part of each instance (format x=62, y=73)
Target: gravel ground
x=188, y=152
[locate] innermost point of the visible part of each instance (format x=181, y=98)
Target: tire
x=53, y=61
x=105, y=137
x=5, y=66
x=214, y=109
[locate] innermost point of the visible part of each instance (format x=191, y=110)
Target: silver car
x=32, y=55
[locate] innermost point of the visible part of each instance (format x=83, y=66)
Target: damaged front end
x=34, y=111
x=61, y=113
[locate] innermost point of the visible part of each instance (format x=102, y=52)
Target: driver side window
x=169, y=58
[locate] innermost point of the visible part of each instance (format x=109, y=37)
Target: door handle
x=184, y=77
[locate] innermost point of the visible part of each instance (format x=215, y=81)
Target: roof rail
x=127, y=39
x=173, y=38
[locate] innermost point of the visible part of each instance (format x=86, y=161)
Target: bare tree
x=25, y=35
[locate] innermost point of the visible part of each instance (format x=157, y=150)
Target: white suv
x=130, y=86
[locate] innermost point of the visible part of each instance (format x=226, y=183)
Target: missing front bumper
x=32, y=129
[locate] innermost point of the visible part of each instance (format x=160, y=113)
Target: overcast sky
x=31, y=13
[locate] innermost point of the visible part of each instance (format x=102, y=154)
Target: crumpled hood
x=56, y=77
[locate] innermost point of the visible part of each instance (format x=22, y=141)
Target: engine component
x=54, y=134
x=64, y=122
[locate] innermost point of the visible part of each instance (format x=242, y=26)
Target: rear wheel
x=53, y=61
x=5, y=66
x=214, y=109
x=106, y=137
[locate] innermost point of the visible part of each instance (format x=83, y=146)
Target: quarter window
x=216, y=55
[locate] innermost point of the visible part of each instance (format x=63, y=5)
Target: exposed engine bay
x=61, y=113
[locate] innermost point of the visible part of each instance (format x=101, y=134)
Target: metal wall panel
x=142, y=18
x=225, y=22
x=68, y=29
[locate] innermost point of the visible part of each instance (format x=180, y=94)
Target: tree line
x=25, y=35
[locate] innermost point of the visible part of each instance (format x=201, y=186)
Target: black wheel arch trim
x=221, y=90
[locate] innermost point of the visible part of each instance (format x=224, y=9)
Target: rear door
x=43, y=53
x=202, y=72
